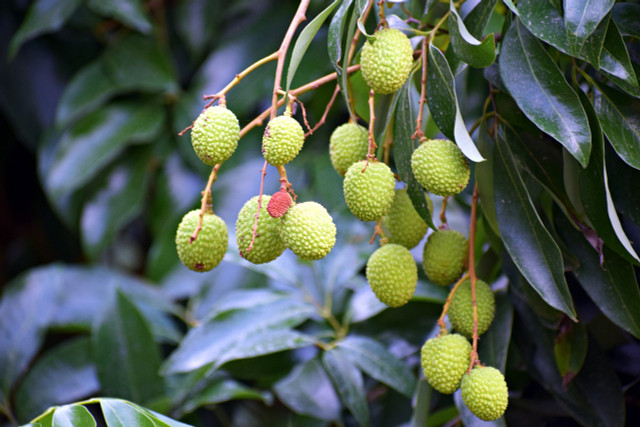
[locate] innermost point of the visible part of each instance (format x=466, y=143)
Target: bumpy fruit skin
x=445, y=360
x=348, y=144
x=267, y=245
x=206, y=252
x=440, y=167
x=369, y=194
x=392, y=274
x=215, y=135
x=386, y=61
x=461, y=308
x=282, y=140
x=485, y=392
x=403, y=224
x=279, y=204
x=308, y=230
x=443, y=256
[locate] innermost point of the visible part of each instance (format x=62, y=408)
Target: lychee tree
x=349, y=212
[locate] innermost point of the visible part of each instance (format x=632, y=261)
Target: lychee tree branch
x=473, y=277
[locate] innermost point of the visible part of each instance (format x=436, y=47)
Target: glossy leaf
x=118, y=413
x=620, y=119
x=308, y=390
x=44, y=16
x=493, y=347
x=443, y=103
x=129, y=12
x=474, y=52
x=570, y=349
x=484, y=178
x=615, y=61
x=581, y=18
x=625, y=16
x=537, y=85
x=347, y=380
x=304, y=40
x=73, y=416
x=126, y=356
x=335, y=39
x=527, y=241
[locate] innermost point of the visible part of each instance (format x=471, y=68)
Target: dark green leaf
x=526, y=239
x=304, y=40
x=581, y=18
x=545, y=22
x=44, y=16
x=335, y=40
x=615, y=61
x=347, y=380
x=474, y=52
x=223, y=390
x=484, y=178
x=540, y=90
x=493, y=347
x=376, y=361
x=307, y=390
x=63, y=374
x=73, y=416
x=443, y=103
x=619, y=116
x=625, y=16
x=570, y=349
x=129, y=12
x=126, y=356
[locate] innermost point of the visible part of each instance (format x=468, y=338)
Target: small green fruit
x=215, y=135
x=485, y=392
x=206, y=252
x=386, y=60
x=392, y=274
x=308, y=230
x=348, y=144
x=445, y=360
x=403, y=224
x=440, y=167
x=461, y=308
x=282, y=140
x=369, y=194
x=267, y=245
x=443, y=256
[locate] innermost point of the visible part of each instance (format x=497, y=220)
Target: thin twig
x=323, y=119
x=205, y=201
x=378, y=231
x=372, y=120
x=472, y=274
x=419, y=133
x=443, y=213
x=447, y=303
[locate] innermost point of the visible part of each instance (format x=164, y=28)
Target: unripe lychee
x=461, y=308
x=485, y=392
x=445, y=360
x=268, y=244
x=443, y=256
x=215, y=135
x=282, y=140
x=403, y=224
x=440, y=167
x=279, y=204
x=308, y=230
x=386, y=60
x=348, y=144
x=369, y=194
x=392, y=274
x=206, y=252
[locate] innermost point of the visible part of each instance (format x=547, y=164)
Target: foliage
x=542, y=96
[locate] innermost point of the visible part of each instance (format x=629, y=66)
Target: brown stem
x=284, y=182
x=372, y=120
x=447, y=303
x=419, y=133
x=378, y=231
x=254, y=230
x=472, y=274
x=383, y=20
x=205, y=202
x=443, y=212
x=386, y=148
x=323, y=119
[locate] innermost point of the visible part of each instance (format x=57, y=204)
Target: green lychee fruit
x=443, y=256
x=485, y=392
x=440, y=167
x=392, y=274
x=386, y=60
x=215, y=135
x=369, y=194
x=206, y=252
x=308, y=230
x=403, y=224
x=445, y=360
x=348, y=144
x=461, y=308
x=282, y=140
x=268, y=244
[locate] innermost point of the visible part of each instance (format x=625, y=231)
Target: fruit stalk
x=372, y=120
x=323, y=119
x=447, y=303
x=474, y=278
x=423, y=92
x=205, y=202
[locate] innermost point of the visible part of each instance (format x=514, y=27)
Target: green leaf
x=443, y=103
x=570, y=349
x=126, y=356
x=335, y=39
x=474, y=52
x=625, y=16
x=73, y=416
x=347, y=380
x=484, y=178
x=97, y=139
x=615, y=62
x=307, y=390
x=118, y=413
x=223, y=390
x=63, y=374
x=493, y=347
x=238, y=334
x=304, y=40
x=129, y=12
x=540, y=90
x=44, y=16
x=376, y=361
x=527, y=241
x=619, y=116
x=581, y=18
